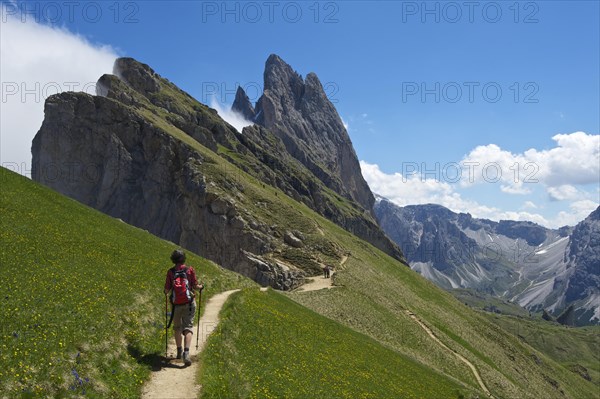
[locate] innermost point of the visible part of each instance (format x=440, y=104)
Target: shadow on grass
x=155, y=361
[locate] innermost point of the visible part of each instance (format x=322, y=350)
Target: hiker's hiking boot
x=179, y=353
x=186, y=358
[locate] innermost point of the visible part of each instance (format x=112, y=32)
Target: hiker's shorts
x=183, y=318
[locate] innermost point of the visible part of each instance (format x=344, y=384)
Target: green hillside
x=88, y=276
x=375, y=296
x=292, y=352
x=82, y=306
x=487, y=302
x=577, y=349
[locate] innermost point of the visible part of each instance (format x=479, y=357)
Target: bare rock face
x=291, y=240
x=139, y=76
x=101, y=153
x=298, y=111
x=309, y=132
x=584, y=258
x=242, y=105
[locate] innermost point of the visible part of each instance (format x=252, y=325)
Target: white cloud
x=405, y=190
x=529, y=205
x=579, y=210
x=515, y=189
x=233, y=118
x=414, y=190
x=37, y=61
x=575, y=160
x=564, y=192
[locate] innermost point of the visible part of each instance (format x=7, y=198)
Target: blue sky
x=425, y=84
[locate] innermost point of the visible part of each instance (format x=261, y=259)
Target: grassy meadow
x=268, y=346
x=82, y=304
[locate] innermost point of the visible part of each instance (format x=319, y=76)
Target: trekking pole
x=166, y=324
x=198, y=328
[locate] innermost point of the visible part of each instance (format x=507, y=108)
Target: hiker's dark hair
x=178, y=256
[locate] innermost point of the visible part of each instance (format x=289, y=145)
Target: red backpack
x=181, y=292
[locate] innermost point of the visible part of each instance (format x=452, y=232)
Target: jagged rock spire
x=242, y=105
x=299, y=112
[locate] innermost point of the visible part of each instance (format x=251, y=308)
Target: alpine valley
x=521, y=262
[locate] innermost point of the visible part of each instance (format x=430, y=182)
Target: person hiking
x=326, y=270
x=181, y=282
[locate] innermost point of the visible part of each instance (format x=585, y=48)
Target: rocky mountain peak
x=242, y=104
x=315, y=94
x=584, y=258
x=139, y=76
x=531, y=232
x=298, y=111
x=279, y=77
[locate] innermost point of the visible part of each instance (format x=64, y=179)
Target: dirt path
x=458, y=355
x=173, y=380
x=319, y=283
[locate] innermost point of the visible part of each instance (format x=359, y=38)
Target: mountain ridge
x=298, y=111
x=158, y=160
x=537, y=267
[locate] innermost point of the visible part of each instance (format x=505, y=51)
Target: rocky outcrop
x=103, y=154
x=291, y=240
x=533, y=233
x=139, y=76
x=270, y=273
x=536, y=267
x=242, y=105
x=298, y=111
x=301, y=138
x=584, y=258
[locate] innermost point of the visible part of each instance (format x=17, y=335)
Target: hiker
x=181, y=282
x=326, y=270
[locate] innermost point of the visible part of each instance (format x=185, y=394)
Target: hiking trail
x=319, y=283
x=458, y=355
x=174, y=380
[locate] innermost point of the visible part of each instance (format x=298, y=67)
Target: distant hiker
x=181, y=282
x=326, y=271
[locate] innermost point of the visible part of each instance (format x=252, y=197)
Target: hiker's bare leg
x=178, y=339
x=188, y=338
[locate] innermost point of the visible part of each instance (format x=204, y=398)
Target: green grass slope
x=487, y=302
x=82, y=304
x=374, y=297
x=578, y=349
x=268, y=346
